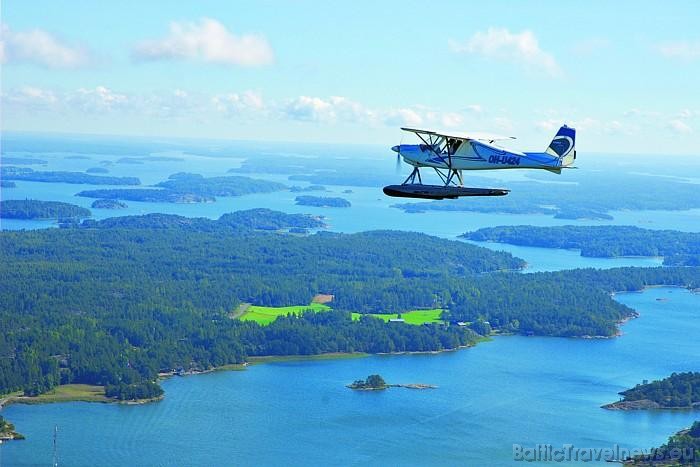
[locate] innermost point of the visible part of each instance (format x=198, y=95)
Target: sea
x=510, y=395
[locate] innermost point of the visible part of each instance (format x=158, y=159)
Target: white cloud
x=41, y=48
x=97, y=100
x=679, y=126
x=333, y=109
x=452, y=120
x=310, y=109
x=501, y=44
x=235, y=103
x=680, y=50
x=403, y=116
x=30, y=98
x=208, y=41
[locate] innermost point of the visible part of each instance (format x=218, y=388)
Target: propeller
x=397, y=150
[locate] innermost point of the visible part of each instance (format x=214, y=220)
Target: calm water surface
x=525, y=390
x=511, y=390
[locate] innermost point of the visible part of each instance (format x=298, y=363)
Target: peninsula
x=322, y=201
x=36, y=209
x=678, y=391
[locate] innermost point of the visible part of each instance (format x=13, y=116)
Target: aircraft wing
x=459, y=135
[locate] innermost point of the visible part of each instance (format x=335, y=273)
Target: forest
x=17, y=173
x=681, y=449
x=108, y=204
x=35, y=209
x=677, y=248
x=218, y=186
x=678, y=390
x=113, y=302
x=189, y=188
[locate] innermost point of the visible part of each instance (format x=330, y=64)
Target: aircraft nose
x=396, y=148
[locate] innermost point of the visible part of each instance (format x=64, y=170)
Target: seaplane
x=450, y=153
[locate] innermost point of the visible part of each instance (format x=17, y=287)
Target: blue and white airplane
x=450, y=153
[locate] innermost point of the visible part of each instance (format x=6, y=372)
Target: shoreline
x=71, y=393
x=11, y=398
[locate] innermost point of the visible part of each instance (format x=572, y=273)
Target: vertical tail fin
x=563, y=146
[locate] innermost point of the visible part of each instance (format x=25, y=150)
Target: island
x=188, y=188
x=371, y=383
x=97, y=170
x=36, y=209
x=218, y=186
x=580, y=194
x=17, y=173
x=7, y=184
x=299, y=189
x=148, y=195
x=376, y=382
x=678, y=391
x=130, y=160
x=146, y=294
x=677, y=248
x=322, y=201
x=10, y=160
x=108, y=204
x=580, y=213
x=7, y=431
x=681, y=449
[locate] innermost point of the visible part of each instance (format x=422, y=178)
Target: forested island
x=219, y=186
x=583, y=195
x=149, y=195
x=371, y=383
x=116, y=301
x=376, y=382
x=678, y=391
x=7, y=184
x=322, y=201
x=108, y=204
x=36, y=209
x=17, y=173
x=677, y=248
x=188, y=188
x=681, y=449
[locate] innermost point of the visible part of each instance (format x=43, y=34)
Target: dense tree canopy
x=678, y=390
x=114, y=301
x=677, y=248
x=35, y=209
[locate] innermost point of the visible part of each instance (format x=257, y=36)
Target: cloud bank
x=501, y=44
x=39, y=47
x=206, y=41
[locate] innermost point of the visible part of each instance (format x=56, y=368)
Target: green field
x=266, y=314
x=64, y=393
x=410, y=317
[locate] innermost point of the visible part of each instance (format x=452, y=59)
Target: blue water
x=525, y=390
x=370, y=209
x=512, y=390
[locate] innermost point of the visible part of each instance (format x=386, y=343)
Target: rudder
x=563, y=146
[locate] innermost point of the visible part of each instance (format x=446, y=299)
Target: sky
x=625, y=74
